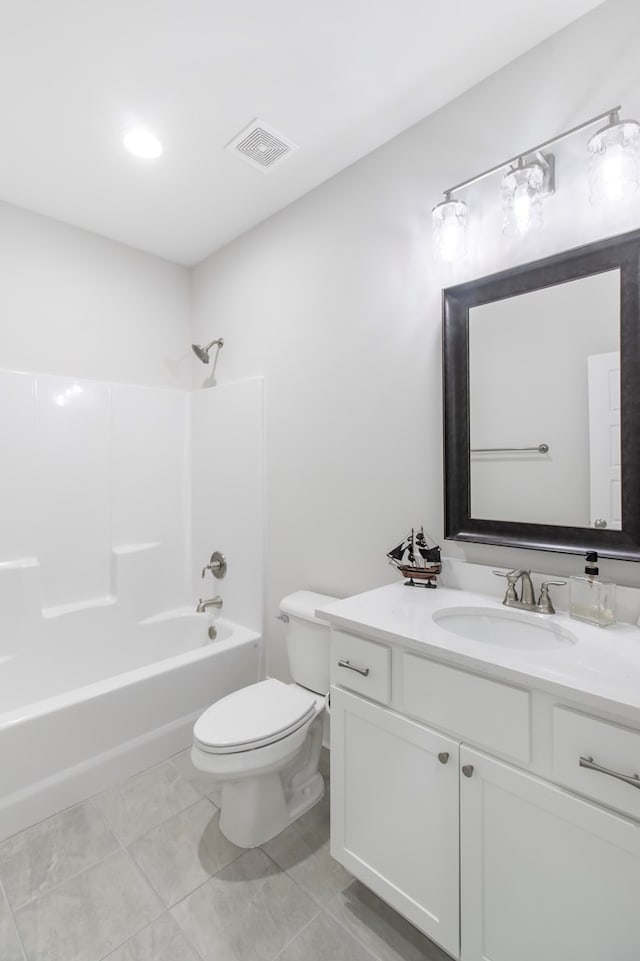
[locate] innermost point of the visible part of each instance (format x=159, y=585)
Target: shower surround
x=92, y=467
x=100, y=573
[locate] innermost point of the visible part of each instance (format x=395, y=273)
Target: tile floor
x=141, y=872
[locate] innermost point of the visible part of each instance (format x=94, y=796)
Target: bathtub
x=89, y=701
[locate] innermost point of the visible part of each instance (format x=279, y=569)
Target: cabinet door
x=394, y=812
x=544, y=875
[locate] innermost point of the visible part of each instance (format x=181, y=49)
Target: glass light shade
x=522, y=191
x=450, y=230
x=614, y=161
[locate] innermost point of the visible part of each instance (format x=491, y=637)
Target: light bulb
x=522, y=190
x=613, y=172
x=522, y=208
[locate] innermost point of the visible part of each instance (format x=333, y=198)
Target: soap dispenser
x=591, y=598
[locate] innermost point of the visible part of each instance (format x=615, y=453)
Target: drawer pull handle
x=633, y=779
x=443, y=757
x=467, y=770
x=351, y=667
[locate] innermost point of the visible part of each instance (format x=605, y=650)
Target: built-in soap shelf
x=137, y=590
x=19, y=564
x=61, y=609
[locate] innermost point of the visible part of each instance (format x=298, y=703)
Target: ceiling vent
x=261, y=146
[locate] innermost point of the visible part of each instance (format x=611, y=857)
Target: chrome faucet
x=527, y=601
x=205, y=605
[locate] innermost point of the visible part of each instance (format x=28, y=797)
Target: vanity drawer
x=361, y=665
x=608, y=746
x=484, y=712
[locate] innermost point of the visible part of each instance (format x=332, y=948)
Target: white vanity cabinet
x=543, y=874
x=394, y=812
x=462, y=830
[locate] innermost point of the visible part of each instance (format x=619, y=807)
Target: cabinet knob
x=467, y=770
x=443, y=757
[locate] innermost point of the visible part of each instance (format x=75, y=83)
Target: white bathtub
x=88, y=702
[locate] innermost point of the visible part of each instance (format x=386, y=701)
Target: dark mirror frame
x=623, y=253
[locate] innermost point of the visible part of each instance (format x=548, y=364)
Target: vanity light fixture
x=529, y=177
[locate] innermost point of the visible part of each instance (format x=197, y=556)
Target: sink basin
x=507, y=628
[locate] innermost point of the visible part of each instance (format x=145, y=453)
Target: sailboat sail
x=397, y=553
x=430, y=554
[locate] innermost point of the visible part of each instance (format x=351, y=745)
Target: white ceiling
x=338, y=78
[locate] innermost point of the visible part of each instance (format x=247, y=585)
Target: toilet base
x=254, y=810
x=256, y=807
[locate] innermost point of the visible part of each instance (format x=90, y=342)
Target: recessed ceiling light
x=143, y=144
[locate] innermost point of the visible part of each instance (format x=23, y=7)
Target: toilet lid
x=253, y=717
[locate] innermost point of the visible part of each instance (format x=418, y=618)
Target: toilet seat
x=255, y=717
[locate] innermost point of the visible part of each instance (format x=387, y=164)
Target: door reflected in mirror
x=544, y=405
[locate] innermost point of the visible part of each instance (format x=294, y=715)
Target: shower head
x=202, y=353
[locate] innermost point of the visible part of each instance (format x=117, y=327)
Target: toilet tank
x=307, y=639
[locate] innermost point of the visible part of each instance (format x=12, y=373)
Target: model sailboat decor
x=416, y=560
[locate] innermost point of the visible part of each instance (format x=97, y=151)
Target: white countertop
x=601, y=671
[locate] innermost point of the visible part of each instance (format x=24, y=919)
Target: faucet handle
x=544, y=601
x=217, y=565
x=512, y=577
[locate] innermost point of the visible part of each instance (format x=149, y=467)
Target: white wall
x=77, y=305
x=337, y=302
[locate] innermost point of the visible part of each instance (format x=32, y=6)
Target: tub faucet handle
x=217, y=565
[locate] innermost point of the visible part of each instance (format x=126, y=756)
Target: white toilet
x=263, y=742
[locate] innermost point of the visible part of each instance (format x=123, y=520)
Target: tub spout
x=205, y=605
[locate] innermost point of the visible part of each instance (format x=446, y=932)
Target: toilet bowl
x=263, y=742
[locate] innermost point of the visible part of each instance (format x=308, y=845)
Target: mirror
x=541, y=408
x=544, y=405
